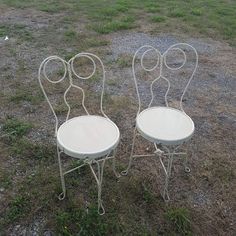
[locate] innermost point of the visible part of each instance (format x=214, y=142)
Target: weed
x=3, y=30
x=17, y=3
x=28, y=149
x=177, y=13
x=196, y=11
x=61, y=109
x=17, y=208
x=52, y=7
x=148, y=196
x=158, y=18
x=94, y=42
x=17, y=30
x=152, y=7
x=5, y=180
x=16, y=128
x=20, y=96
x=70, y=35
x=124, y=24
x=179, y=217
x=124, y=61
x=77, y=220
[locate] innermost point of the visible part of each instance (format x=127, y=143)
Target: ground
x=202, y=202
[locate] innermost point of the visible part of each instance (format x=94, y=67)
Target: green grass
x=16, y=128
x=70, y=35
x=17, y=207
x=157, y=19
x=116, y=25
x=197, y=11
x=5, y=179
x=180, y=219
x=19, y=31
x=26, y=96
x=77, y=220
x=177, y=12
x=28, y=149
x=124, y=61
x=94, y=42
x=211, y=17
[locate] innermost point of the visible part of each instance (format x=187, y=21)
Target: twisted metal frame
x=171, y=150
x=70, y=71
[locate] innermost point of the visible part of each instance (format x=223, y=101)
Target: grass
x=94, y=42
x=27, y=149
x=5, y=180
x=26, y=96
x=16, y=128
x=19, y=31
x=70, y=35
x=116, y=25
x=132, y=207
x=17, y=207
x=77, y=220
x=124, y=61
x=177, y=12
x=106, y=18
x=158, y=19
x=180, y=219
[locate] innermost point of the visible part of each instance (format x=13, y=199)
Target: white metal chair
x=89, y=138
x=164, y=125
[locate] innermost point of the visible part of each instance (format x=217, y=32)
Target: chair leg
x=114, y=164
x=167, y=177
x=186, y=167
x=125, y=172
x=99, y=178
x=62, y=195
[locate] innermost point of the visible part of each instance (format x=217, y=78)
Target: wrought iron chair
x=162, y=125
x=90, y=138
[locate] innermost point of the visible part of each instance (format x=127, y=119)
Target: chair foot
x=166, y=196
x=124, y=172
x=114, y=169
x=187, y=169
x=61, y=196
x=101, y=210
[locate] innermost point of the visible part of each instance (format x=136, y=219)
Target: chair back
x=160, y=65
x=70, y=73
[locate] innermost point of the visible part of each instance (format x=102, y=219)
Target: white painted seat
x=165, y=125
x=88, y=136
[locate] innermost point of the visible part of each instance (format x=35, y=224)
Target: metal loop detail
x=45, y=63
x=157, y=63
x=80, y=55
x=174, y=68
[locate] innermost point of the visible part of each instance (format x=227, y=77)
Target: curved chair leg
x=114, y=164
x=99, y=178
x=62, y=195
x=125, y=172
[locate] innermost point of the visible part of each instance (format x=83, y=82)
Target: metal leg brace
x=167, y=171
x=98, y=177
